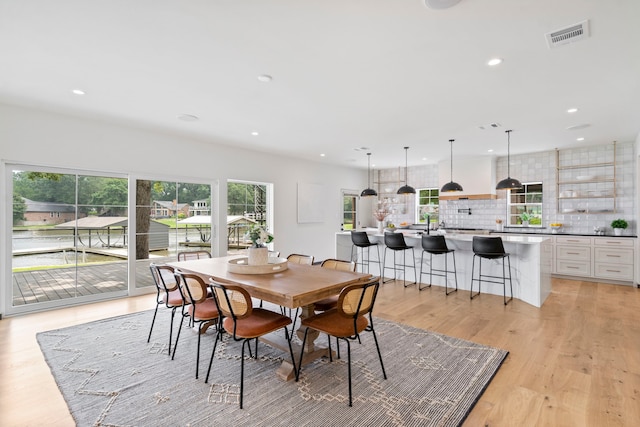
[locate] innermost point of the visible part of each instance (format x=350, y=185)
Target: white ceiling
x=381, y=74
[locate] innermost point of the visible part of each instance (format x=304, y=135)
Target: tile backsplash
x=532, y=167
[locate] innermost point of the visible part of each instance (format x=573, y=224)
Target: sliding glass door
x=68, y=237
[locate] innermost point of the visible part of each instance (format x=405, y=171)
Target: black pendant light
x=451, y=186
x=367, y=192
x=406, y=188
x=508, y=183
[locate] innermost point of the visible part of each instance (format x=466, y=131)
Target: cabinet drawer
x=578, y=253
x=614, y=271
x=566, y=240
x=613, y=242
x=573, y=268
x=614, y=256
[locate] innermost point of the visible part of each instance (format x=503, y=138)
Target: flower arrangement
x=259, y=236
x=381, y=212
x=526, y=216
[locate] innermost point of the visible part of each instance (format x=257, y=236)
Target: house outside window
x=526, y=199
x=427, y=205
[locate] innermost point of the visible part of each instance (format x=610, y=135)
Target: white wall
x=49, y=139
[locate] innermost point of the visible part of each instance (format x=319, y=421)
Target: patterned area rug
x=110, y=375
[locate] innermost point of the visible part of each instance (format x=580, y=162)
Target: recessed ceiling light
x=78, y=92
x=254, y=133
x=424, y=159
x=494, y=61
x=580, y=139
x=188, y=118
x=490, y=150
x=264, y=78
x=572, y=110
x=322, y=155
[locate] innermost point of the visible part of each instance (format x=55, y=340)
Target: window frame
x=514, y=210
x=421, y=209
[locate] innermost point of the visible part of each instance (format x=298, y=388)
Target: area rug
x=110, y=376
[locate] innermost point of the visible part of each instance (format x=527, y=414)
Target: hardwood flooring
x=574, y=362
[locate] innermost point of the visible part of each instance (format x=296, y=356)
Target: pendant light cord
x=369, y=169
x=451, y=143
x=405, y=165
x=508, y=153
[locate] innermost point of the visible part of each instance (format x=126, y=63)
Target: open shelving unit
x=586, y=188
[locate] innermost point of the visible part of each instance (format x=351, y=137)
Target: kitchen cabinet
x=598, y=258
x=573, y=256
x=586, y=187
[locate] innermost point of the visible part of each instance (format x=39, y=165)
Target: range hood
x=476, y=174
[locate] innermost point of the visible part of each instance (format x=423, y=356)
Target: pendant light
x=508, y=183
x=406, y=188
x=368, y=191
x=451, y=186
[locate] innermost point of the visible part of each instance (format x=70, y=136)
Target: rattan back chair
x=202, y=310
x=351, y=317
x=189, y=255
x=167, y=294
x=245, y=323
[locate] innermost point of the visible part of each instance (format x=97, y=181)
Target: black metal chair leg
x=151, y=329
x=213, y=352
x=304, y=340
x=349, y=369
x=175, y=345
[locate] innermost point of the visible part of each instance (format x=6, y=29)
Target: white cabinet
x=613, y=258
x=601, y=258
x=573, y=256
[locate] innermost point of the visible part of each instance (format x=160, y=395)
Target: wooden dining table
x=299, y=286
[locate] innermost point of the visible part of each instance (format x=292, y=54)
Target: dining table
x=297, y=286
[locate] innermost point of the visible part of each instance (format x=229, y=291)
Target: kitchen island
x=531, y=262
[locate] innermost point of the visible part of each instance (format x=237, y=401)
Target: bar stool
x=437, y=245
x=360, y=239
x=395, y=242
x=490, y=248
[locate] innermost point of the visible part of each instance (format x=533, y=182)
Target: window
x=526, y=199
x=427, y=204
x=349, y=208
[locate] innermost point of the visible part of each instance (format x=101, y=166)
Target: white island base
x=531, y=259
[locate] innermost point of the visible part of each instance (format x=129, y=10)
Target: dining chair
x=189, y=255
x=347, y=321
x=334, y=264
x=201, y=310
x=167, y=293
x=245, y=323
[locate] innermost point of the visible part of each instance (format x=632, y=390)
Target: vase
x=380, y=227
x=499, y=227
x=617, y=231
x=525, y=223
x=258, y=256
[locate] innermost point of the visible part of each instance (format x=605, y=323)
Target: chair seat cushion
x=173, y=299
x=326, y=303
x=333, y=323
x=259, y=323
x=205, y=310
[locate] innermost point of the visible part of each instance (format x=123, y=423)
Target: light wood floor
x=574, y=362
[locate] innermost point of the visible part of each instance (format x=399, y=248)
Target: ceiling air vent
x=568, y=35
